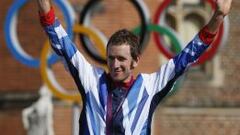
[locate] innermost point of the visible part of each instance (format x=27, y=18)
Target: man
x=115, y=102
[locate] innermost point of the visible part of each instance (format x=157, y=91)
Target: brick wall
x=16, y=78
x=197, y=121
x=11, y=120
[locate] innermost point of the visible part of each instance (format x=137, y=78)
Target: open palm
x=223, y=6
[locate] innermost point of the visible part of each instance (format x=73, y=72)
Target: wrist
x=206, y=35
x=215, y=22
x=219, y=15
x=47, y=18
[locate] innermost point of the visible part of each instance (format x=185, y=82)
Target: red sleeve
x=48, y=18
x=206, y=36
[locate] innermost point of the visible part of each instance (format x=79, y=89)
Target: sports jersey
x=134, y=115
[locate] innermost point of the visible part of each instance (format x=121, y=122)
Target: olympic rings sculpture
x=88, y=33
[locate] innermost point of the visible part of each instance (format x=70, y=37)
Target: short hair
x=124, y=36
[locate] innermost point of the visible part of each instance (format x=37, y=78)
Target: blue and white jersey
x=147, y=91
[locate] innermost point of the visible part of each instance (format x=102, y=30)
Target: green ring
x=163, y=31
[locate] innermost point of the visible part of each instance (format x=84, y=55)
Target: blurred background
x=205, y=101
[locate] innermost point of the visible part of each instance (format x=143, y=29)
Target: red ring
x=206, y=55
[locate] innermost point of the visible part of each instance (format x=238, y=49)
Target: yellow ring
x=44, y=67
x=99, y=43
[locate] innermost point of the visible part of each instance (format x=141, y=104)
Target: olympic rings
x=11, y=32
x=98, y=38
x=207, y=55
x=138, y=4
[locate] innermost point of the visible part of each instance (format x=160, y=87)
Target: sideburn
x=131, y=66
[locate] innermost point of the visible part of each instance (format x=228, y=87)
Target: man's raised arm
x=191, y=53
x=81, y=70
x=44, y=6
x=205, y=37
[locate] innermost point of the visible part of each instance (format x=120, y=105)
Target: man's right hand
x=223, y=8
x=44, y=6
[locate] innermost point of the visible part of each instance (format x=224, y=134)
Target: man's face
x=120, y=62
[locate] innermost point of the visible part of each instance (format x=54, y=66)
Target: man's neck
x=126, y=85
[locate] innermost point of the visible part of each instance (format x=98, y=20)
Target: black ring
x=85, y=40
